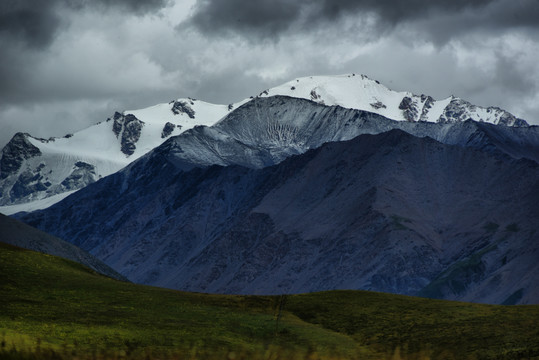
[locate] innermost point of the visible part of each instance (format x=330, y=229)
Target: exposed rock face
x=416, y=108
x=428, y=102
x=131, y=134
x=508, y=119
x=28, y=183
x=378, y=105
x=167, y=130
x=118, y=123
x=129, y=128
x=456, y=111
x=460, y=110
x=408, y=108
x=82, y=175
x=33, y=181
x=14, y=153
x=182, y=107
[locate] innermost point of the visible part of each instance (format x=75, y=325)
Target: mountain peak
x=363, y=93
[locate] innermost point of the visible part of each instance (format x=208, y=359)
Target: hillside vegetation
x=51, y=308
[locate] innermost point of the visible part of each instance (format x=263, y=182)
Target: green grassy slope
x=419, y=326
x=54, y=308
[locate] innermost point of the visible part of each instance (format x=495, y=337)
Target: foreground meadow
x=51, y=308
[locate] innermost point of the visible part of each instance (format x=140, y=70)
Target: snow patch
x=35, y=205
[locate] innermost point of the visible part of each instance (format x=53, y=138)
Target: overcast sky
x=67, y=64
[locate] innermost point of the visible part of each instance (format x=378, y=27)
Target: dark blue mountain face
x=16, y=233
x=390, y=212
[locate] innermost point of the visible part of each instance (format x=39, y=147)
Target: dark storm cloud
x=29, y=27
x=34, y=23
x=393, y=11
x=517, y=13
x=270, y=18
x=264, y=17
x=136, y=6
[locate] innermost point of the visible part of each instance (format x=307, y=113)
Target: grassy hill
x=51, y=308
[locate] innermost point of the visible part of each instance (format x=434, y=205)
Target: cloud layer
x=273, y=18
x=35, y=23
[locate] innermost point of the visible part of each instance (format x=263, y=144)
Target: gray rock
x=181, y=107
x=27, y=183
x=14, y=153
x=82, y=175
x=167, y=130
x=118, y=124
x=378, y=105
x=409, y=109
x=129, y=128
x=428, y=102
x=132, y=128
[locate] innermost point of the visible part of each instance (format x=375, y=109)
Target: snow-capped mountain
x=359, y=92
x=266, y=131
x=172, y=218
x=35, y=173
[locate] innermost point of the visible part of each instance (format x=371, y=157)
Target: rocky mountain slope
x=390, y=212
x=265, y=131
x=19, y=234
x=33, y=169
x=35, y=173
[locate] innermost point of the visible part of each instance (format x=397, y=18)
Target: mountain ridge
x=39, y=172
x=35, y=169
x=267, y=130
x=316, y=215
x=362, y=93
